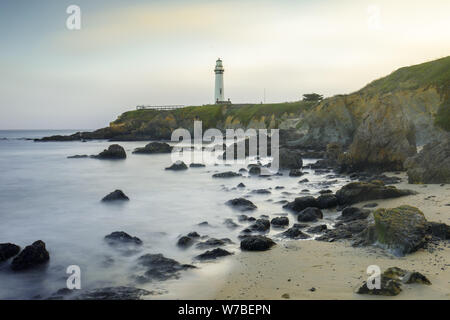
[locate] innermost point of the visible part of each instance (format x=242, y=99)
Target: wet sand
x=292, y=268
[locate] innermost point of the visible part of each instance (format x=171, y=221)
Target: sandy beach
x=292, y=268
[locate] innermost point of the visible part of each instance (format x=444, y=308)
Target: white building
x=219, y=92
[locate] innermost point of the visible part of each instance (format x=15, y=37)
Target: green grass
x=210, y=115
x=433, y=73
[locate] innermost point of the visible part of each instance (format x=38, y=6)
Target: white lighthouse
x=219, y=90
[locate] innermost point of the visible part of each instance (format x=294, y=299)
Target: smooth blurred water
x=46, y=196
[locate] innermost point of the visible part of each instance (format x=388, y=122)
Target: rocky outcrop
x=353, y=213
x=383, y=141
x=260, y=225
x=213, y=242
x=116, y=195
x=154, y=147
x=31, y=257
x=121, y=237
x=402, y=230
x=355, y=192
x=432, y=164
x=8, y=250
x=256, y=243
x=114, y=152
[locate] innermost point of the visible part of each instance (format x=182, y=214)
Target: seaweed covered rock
x=154, y=147
x=402, y=230
x=290, y=159
x=391, y=281
x=31, y=257
x=431, y=164
x=355, y=192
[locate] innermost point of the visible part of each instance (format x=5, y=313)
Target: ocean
x=46, y=196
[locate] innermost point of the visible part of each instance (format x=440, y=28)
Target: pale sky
x=135, y=52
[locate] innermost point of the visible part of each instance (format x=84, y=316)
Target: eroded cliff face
x=337, y=119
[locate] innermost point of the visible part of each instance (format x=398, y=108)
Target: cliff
x=418, y=94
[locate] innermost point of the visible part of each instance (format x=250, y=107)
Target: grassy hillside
x=434, y=73
x=211, y=115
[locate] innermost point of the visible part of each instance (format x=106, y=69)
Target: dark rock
x=116, y=195
x=388, y=287
x=213, y=242
x=294, y=233
x=230, y=224
x=406, y=276
x=154, y=147
x=300, y=225
x=301, y=203
x=203, y=224
x=122, y=237
x=193, y=235
x=317, y=229
x=350, y=230
x=362, y=191
x=8, y=250
x=241, y=185
x=31, y=256
x=114, y=293
x=295, y=173
x=310, y=214
x=197, y=165
x=279, y=187
x=185, y=242
x=353, y=213
x=243, y=170
x=303, y=181
x=78, y=156
x=241, y=204
x=370, y=205
x=326, y=191
x=256, y=243
x=327, y=201
x=280, y=221
x=161, y=268
x=242, y=218
x=113, y=152
x=261, y=191
x=290, y=159
x=178, y=166
x=254, y=170
x=213, y=254
x=228, y=174
x=260, y=225
x=439, y=230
